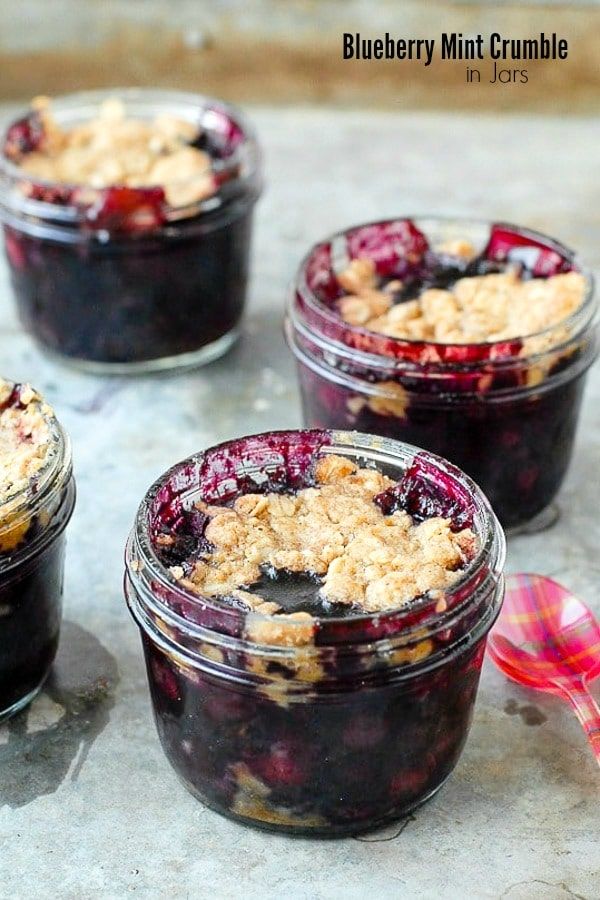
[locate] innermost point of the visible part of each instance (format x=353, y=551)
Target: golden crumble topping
x=112, y=149
x=476, y=309
x=24, y=440
x=393, y=400
x=459, y=247
x=365, y=559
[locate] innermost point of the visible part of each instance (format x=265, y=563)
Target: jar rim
x=296, y=332
x=580, y=319
x=142, y=560
x=246, y=152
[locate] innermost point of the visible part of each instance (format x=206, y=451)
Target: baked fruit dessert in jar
x=313, y=607
x=37, y=495
x=127, y=220
x=470, y=339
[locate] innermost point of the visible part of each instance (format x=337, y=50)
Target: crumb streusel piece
x=334, y=530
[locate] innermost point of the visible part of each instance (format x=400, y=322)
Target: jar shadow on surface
x=56, y=732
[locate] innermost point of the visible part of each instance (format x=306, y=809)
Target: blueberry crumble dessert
x=36, y=501
x=127, y=224
x=313, y=609
x=472, y=341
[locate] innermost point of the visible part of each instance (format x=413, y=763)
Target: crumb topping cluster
x=476, y=309
x=114, y=150
x=24, y=439
x=336, y=531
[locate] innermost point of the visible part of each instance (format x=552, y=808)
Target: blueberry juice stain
x=298, y=592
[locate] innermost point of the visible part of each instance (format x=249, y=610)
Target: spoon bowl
x=548, y=640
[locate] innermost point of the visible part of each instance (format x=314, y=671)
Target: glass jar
x=506, y=419
x=330, y=730
x=116, y=280
x=32, y=550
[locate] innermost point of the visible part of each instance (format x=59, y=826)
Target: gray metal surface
x=89, y=806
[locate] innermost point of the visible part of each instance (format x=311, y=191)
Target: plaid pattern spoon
x=549, y=640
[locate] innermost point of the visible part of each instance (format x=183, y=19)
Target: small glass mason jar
x=32, y=551
x=330, y=730
x=505, y=418
x=116, y=280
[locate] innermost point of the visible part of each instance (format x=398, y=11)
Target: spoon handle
x=588, y=712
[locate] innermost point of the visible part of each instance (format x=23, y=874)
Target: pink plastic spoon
x=549, y=640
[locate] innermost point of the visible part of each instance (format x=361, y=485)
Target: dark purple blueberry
x=220, y=142
x=281, y=461
x=408, y=783
x=57, y=194
x=283, y=765
x=226, y=133
x=180, y=543
x=424, y=492
x=24, y=136
x=15, y=251
x=527, y=478
x=164, y=678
